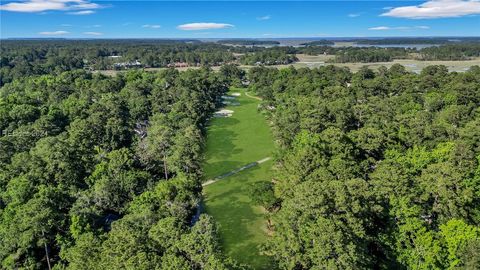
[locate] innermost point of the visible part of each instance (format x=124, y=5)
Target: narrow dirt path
x=230, y=173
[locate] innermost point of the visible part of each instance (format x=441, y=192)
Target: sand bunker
x=223, y=113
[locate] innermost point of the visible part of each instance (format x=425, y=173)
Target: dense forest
x=20, y=58
x=268, y=57
x=369, y=55
x=318, y=43
x=375, y=170
x=26, y=57
x=103, y=172
x=450, y=52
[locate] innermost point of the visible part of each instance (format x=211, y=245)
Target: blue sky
x=222, y=19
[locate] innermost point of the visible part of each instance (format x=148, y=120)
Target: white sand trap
x=223, y=113
x=236, y=94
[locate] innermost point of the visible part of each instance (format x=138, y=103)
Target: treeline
x=451, y=52
x=372, y=54
x=455, y=52
x=416, y=40
x=248, y=42
x=20, y=58
x=318, y=43
x=273, y=56
x=104, y=172
x=37, y=57
x=369, y=55
x=26, y=57
x=375, y=170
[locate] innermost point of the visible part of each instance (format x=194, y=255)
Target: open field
x=305, y=58
x=231, y=143
x=415, y=65
x=313, y=61
x=410, y=64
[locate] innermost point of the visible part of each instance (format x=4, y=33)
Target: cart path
x=248, y=95
x=230, y=173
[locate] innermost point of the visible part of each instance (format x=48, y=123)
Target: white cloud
x=385, y=28
x=203, y=26
x=82, y=12
x=264, y=18
x=33, y=6
x=46, y=5
x=65, y=25
x=153, y=26
x=354, y=15
x=53, y=33
x=86, y=5
x=436, y=9
x=380, y=28
x=93, y=33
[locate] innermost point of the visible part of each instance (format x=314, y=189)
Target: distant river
x=299, y=42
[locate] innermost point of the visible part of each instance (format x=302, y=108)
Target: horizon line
x=206, y=38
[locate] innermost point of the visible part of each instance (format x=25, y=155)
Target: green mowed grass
x=235, y=141
x=231, y=143
x=242, y=225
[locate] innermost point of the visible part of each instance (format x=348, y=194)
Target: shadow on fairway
x=218, y=168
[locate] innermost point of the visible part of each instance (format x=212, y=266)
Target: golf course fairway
x=233, y=142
